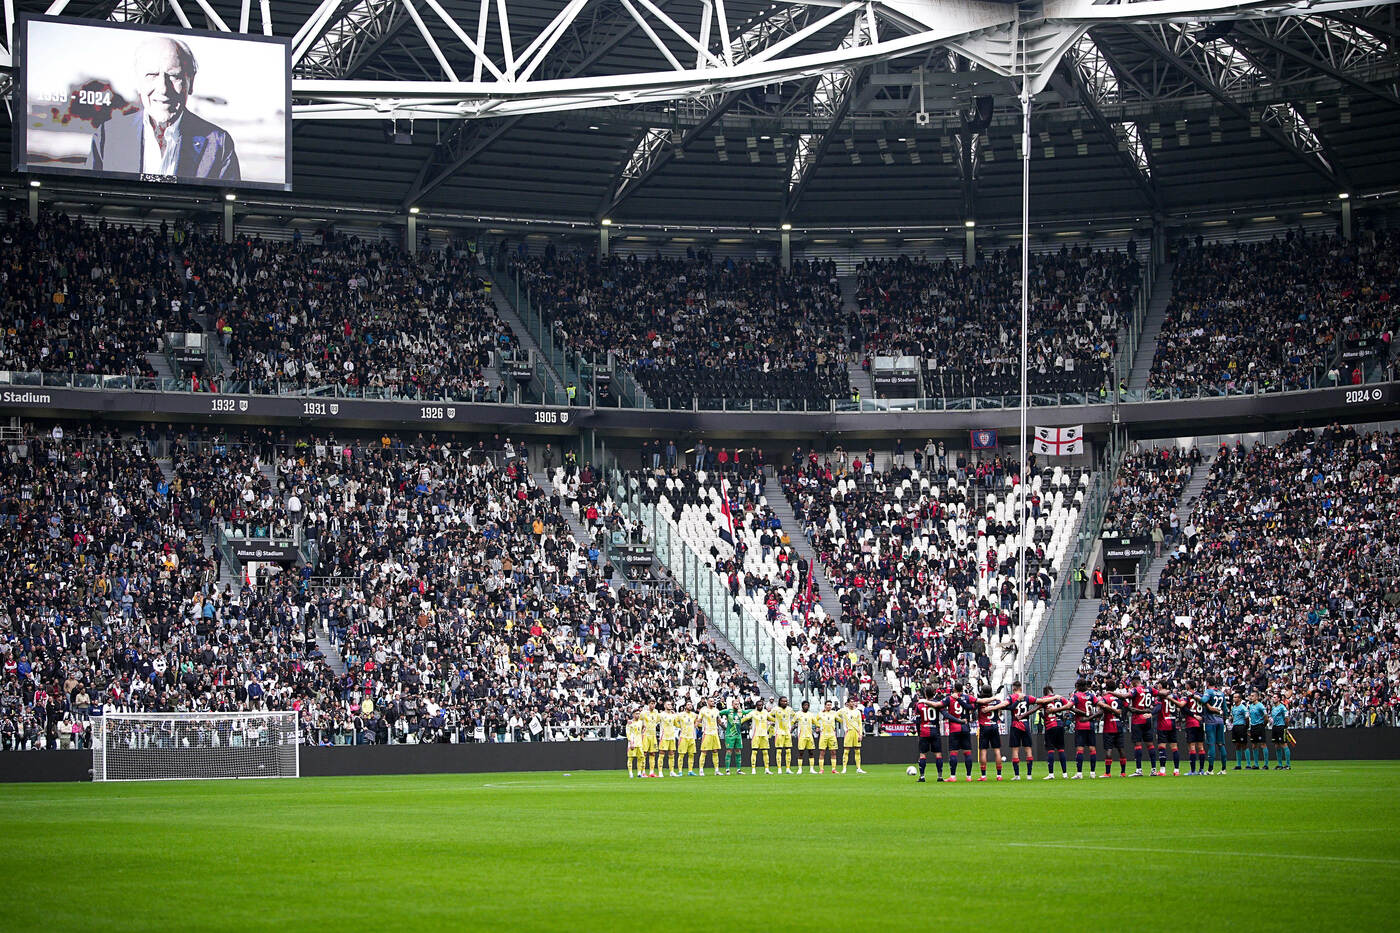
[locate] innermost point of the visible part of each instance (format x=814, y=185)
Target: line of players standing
x=1152, y=717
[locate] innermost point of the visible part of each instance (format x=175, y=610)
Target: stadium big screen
x=149, y=104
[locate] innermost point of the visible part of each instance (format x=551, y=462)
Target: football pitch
x=1314, y=848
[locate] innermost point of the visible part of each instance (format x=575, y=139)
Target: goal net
x=191, y=746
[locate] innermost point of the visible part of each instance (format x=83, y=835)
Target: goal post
x=195, y=746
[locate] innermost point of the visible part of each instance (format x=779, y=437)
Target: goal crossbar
x=196, y=746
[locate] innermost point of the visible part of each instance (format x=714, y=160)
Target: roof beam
x=1211, y=87
x=831, y=98
x=1284, y=49
x=1095, y=79
x=461, y=146
x=651, y=152
x=658, y=153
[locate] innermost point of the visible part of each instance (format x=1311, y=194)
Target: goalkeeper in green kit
x=733, y=738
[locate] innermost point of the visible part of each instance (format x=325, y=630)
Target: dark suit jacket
x=206, y=151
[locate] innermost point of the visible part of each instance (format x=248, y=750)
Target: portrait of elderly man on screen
x=164, y=137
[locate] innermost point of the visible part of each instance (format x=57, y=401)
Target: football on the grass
x=911, y=770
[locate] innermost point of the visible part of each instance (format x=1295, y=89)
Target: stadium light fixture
x=607, y=221
x=1343, y=196
x=34, y=183
x=969, y=224
x=413, y=210
x=230, y=197
x=787, y=227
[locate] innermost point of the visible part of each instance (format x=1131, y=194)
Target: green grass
x=1315, y=848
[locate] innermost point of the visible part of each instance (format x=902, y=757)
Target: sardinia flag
x=1058, y=442
x=727, y=531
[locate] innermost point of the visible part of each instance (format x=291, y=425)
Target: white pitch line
x=1158, y=850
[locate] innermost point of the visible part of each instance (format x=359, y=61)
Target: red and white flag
x=727, y=531
x=1059, y=442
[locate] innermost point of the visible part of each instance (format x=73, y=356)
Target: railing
x=1380, y=372
x=749, y=636
x=1044, y=650
x=454, y=734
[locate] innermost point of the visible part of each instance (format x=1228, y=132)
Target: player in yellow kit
x=668, y=740
x=761, y=723
x=709, y=734
x=783, y=718
x=650, y=719
x=854, y=724
x=826, y=746
x=806, y=737
x=634, y=745
x=685, y=739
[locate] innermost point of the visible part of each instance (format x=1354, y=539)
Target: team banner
x=1059, y=442
x=984, y=439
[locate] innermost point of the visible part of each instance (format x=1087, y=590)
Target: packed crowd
x=87, y=298
x=292, y=315
x=1290, y=579
x=459, y=604
x=109, y=598
x=963, y=323
x=1277, y=315
x=365, y=317
x=700, y=328
x=1146, y=492
x=924, y=561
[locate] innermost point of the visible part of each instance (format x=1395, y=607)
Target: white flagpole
x=1021, y=594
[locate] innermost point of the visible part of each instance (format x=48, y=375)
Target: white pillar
x=1346, y=217
x=787, y=250
x=228, y=221
x=411, y=238
x=603, y=241
x=970, y=252
x=34, y=205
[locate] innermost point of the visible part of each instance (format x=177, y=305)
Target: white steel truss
x=486, y=68
x=829, y=102
x=715, y=58
x=1228, y=68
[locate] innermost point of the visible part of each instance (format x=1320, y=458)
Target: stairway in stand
x=522, y=333
x=1184, y=510
x=778, y=502
x=228, y=576
x=1081, y=627
x=1151, y=327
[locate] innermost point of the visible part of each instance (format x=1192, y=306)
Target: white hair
x=182, y=52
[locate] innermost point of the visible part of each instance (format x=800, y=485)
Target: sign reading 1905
x=551, y=417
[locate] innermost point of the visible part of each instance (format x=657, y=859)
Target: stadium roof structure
x=821, y=113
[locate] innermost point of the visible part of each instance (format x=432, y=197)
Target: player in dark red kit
x=1054, y=728
x=1111, y=707
x=958, y=709
x=1166, y=729
x=989, y=729
x=926, y=720
x=1140, y=702
x=1022, y=705
x=1193, y=710
x=1085, y=709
